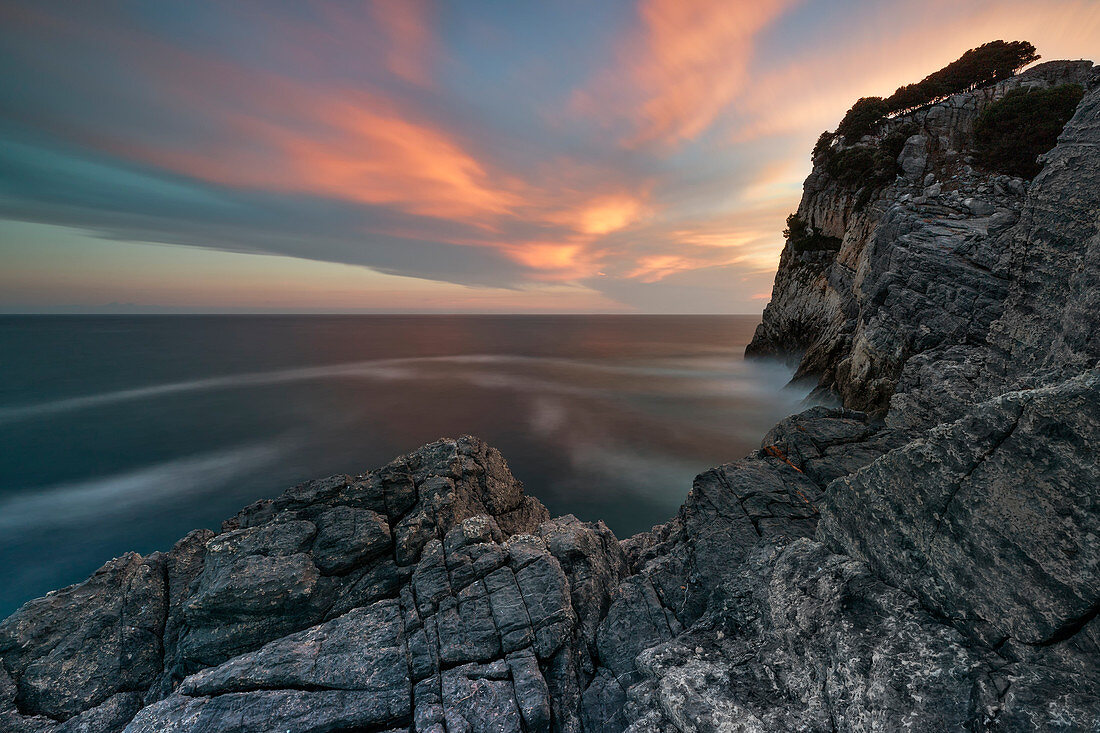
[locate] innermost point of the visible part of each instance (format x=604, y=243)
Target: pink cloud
x=682, y=69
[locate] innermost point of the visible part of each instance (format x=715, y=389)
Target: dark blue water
x=123, y=433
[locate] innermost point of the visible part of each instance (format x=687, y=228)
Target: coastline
x=926, y=561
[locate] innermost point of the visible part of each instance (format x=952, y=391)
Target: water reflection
x=124, y=433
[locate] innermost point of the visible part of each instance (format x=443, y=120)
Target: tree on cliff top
x=862, y=118
x=987, y=64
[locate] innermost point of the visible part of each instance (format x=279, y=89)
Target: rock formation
x=924, y=557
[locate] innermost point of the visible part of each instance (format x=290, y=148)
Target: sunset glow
x=456, y=157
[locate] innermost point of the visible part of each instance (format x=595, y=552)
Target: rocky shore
x=923, y=556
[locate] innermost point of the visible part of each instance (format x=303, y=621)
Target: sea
x=124, y=433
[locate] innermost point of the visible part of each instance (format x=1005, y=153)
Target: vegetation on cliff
x=987, y=64
x=804, y=238
x=1015, y=130
x=867, y=168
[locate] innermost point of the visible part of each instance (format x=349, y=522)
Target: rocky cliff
x=924, y=557
x=924, y=265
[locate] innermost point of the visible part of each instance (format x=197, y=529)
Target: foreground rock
x=927, y=562
x=995, y=527
x=731, y=617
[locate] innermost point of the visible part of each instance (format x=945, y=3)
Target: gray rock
x=350, y=671
x=991, y=520
x=110, y=716
x=466, y=629
x=243, y=603
x=532, y=694
x=74, y=648
x=328, y=656
x=590, y=556
x=635, y=621
x=805, y=640
x=604, y=704
x=545, y=591
x=480, y=697
x=509, y=611
x=265, y=711
x=914, y=157
x=932, y=271
x=347, y=537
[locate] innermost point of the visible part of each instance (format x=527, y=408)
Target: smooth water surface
x=123, y=433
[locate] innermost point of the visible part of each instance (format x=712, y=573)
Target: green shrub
x=868, y=168
x=862, y=118
x=1015, y=130
x=824, y=141
x=894, y=141
x=804, y=238
x=851, y=167
x=873, y=165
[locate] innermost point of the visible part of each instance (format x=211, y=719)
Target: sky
x=633, y=156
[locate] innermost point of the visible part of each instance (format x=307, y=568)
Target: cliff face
x=928, y=563
x=925, y=265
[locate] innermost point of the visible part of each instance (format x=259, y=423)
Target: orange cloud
x=609, y=214
x=274, y=133
x=553, y=260
x=369, y=154
x=407, y=26
x=748, y=236
x=687, y=65
x=657, y=267
x=592, y=215
x=565, y=221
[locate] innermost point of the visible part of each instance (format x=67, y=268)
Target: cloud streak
x=688, y=61
x=650, y=168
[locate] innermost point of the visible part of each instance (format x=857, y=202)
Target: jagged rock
x=10, y=717
x=1048, y=327
x=920, y=272
x=604, y=702
x=111, y=716
x=914, y=157
x=545, y=592
x=74, y=648
x=532, y=694
x=805, y=640
x=183, y=564
x=826, y=443
x=729, y=510
x=347, y=537
x=475, y=636
x=991, y=520
x=590, y=556
x=635, y=621
x=325, y=657
x=264, y=711
x=316, y=679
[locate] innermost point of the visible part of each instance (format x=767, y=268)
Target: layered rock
x=324, y=609
x=923, y=557
x=925, y=265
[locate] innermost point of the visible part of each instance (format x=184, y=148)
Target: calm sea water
x=123, y=433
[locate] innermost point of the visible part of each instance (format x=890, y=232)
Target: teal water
x=123, y=433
